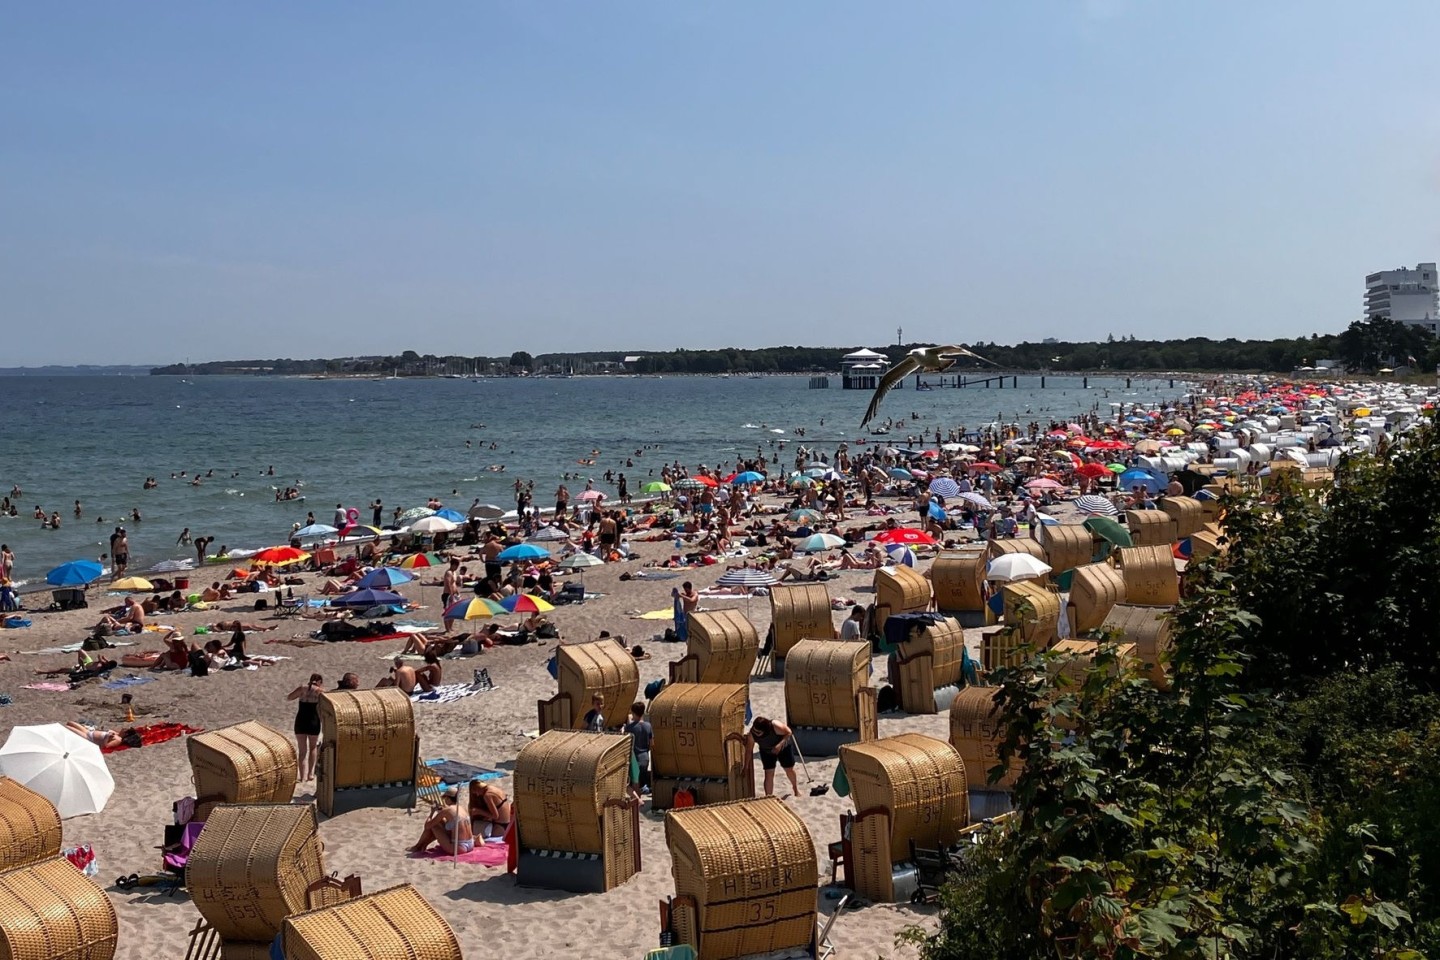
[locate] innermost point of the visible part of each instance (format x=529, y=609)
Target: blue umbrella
x=749, y=476
x=944, y=487
x=367, y=598
x=384, y=578
x=454, y=516
x=900, y=473
x=76, y=573
x=1141, y=478
x=314, y=530
x=522, y=551
x=936, y=511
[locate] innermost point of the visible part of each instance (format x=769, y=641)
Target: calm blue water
x=96, y=439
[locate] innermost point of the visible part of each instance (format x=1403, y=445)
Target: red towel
x=154, y=733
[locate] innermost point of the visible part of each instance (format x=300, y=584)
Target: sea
x=350, y=441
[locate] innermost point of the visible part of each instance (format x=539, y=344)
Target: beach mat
x=50, y=687
x=124, y=682
x=448, y=693
x=154, y=733
x=484, y=854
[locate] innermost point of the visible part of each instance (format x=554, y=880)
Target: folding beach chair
x=824, y=949
x=291, y=606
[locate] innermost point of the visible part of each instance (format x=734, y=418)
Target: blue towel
x=123, y=682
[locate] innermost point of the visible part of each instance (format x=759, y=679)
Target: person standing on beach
x=623, y=489
x=307, y=724
x=200, y=544
x=377, y=513
x=450, y=590
x=562, y=500
x=120, y=550
x=340, y=521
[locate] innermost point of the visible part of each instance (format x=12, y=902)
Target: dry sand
x=490, y=913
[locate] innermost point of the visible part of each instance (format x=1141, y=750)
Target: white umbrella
x=580, y=561
x=548, y=534
x=970, y=496
x=61, y=766
x=1016, y=566
x=486, y=511
x=747, y=577
x=415, y=513
x=432, y=525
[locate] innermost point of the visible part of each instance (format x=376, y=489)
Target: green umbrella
x=1115, y=467
x=655, y=486
x=1111, y=530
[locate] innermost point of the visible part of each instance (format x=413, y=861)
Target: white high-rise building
x=1406, y=295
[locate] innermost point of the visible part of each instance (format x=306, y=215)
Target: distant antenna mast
x=899, y=336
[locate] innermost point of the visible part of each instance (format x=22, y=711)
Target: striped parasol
x=944, y=487
x=1095, y=505
x=746, y=577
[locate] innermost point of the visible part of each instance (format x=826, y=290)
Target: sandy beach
x=490, y=913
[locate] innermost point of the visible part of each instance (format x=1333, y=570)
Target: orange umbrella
x=277, y=556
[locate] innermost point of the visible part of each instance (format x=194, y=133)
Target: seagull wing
x=957, y=351
x=896, y=373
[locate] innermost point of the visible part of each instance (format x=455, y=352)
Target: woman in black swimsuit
x=307, y=724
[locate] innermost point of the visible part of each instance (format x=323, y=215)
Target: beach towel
x=51, y=687
x=485, y=854
x=15, y=623
x=154, y=733
x=130, y=681
x=447, y=693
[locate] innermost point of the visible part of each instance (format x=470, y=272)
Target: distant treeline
x=1363, y=346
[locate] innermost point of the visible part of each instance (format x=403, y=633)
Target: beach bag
x=262, y=604
x=653, y=688
x=548, y=631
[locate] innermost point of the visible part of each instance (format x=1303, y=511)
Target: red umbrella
x=985, y=465
x=277, y=555
x=905, y=535
x=1092, y=470
x=708, y=481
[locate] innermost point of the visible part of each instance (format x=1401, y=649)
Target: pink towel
x=52, y=687
x=485, y=854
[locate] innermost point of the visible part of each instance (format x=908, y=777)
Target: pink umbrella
x=592, y=495
x=1045, y=484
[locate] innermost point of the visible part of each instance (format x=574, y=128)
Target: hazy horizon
x=209, y=182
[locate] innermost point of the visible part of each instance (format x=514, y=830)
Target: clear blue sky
x=211, y=180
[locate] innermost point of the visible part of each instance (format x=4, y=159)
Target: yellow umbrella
x=1362, y=411
x=132, y=585
x=1174, y=432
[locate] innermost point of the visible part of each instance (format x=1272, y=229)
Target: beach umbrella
x=1115, y=467
x=174, y=566
x=132, y=585
x=454, y=516
x=76, y=573
x=749, y=476
x=383, y=578
x=1044, y=483
x=901, y=554
x=1024, y=459
x=61, y=766
x=1110, y=530
x=433, y=524
x=1091, y=470
x=418, y=561
x=1140, y=478
x=985, y=466
x=1016, y=566
x=548, y=534
x=367, y=597
x=486, y=511
x=655, y=486
x=749, y=577
x=415, y=513
x=819, y=543
x=978, y=500
x=474, y=608
x=580, y=561
x=944, y=487
x=935, y=511
x=805, y=514
x=591, y=495
x=278, y=556
x=314, y=530
x=522, y=551
x=1097, y=505
x=801, y=482
x=905, y=535
x=688, y=483
x=526, y=603
x=900, y=473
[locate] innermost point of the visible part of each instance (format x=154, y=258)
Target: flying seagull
x=921, y=359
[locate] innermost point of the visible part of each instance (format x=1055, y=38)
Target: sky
x=216, y=180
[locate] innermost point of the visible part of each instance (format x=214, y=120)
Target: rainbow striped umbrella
x=475, y=608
